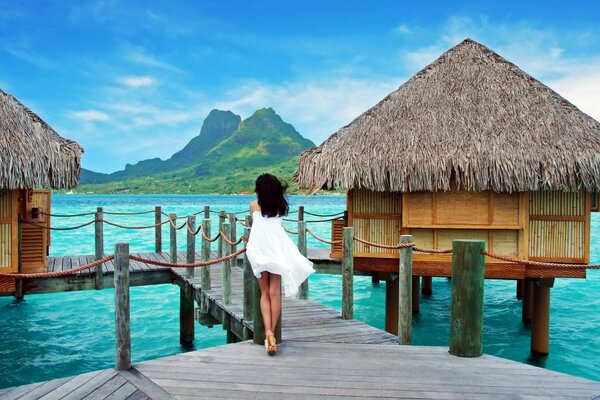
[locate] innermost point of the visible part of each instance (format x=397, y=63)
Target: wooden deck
x=317, y=370
x=322, y=356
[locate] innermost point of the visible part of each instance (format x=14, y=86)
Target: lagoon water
x=55, y=335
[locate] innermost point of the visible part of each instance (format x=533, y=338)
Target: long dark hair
x=271, y=196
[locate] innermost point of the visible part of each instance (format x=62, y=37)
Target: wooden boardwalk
x=322, y=357
x=317, y=370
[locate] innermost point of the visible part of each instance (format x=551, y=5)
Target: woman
x=272, y=254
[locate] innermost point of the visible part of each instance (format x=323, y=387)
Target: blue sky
x=131, y=80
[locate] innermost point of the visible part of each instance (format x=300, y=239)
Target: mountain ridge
x=263, y=142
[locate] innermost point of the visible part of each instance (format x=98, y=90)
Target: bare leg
x=275, y=298
x=265, y=302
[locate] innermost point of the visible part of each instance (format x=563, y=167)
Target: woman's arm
x=254, y=206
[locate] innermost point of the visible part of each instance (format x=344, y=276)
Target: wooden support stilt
x=391, y=304
x=375, y=279
x=99, y=247
x=173, y=237
x=190, y=254
x=19, y=282
x=303, y=290
x=158, y=229
x=527, y=305
x=405, y=292
x=520, y=288
x=416, y=294
x=122, y=316
x=540, y=326
x=466, y=311
x=426, y=285
x=186, y=314
x=348, y=273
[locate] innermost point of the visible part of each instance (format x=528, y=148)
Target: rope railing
x=311, y=220
x=290, y=231
x=334, y=242
x=134, y=227
x=538, y=263
x=66, y=215
x=188, y=265
x=34, y=223
x=192, y=232
x=324, y=215
x=384, y=246
x=231, y=242
x=128, y=212
x=55, y=274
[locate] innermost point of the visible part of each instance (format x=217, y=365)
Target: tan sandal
x=271, y=344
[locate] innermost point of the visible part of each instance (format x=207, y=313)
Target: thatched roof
x=471, y=118
x=32, y=154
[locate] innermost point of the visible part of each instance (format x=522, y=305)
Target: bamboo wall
x=545, y=226
x=559, y=225
x=8, y=231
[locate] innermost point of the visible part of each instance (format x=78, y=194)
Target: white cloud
x=316, y=108
x=140, y=56
x=403, y=29
x=90, y=116
x=583, y=90
x=137, y=81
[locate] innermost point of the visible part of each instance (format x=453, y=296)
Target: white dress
x=270, y=249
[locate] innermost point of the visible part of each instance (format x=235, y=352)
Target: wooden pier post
x=122, y=327
x=258, y=324
x=405, y=292
x=186, y=314
x=99, y=247
x=348, y=273
x=173, y=237
x=158, y=229
x=520, y=288
x=19, y=281
x=190, y=254
x=540, y=326
x=248, y=280
x=426, y=285
x=205, y=283
x=233, y=236
x=416, y=294
x=226, y=269
x=206, y=212
x=303, y=290
x=466, y=312
x=527, y=311
x=220, y=241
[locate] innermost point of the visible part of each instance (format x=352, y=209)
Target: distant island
x=226, y=157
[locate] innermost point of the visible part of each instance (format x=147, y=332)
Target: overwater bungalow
x=471, y=147
x=34, y=159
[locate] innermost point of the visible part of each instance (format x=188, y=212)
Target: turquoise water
x=56, y=335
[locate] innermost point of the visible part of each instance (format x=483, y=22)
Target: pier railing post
x=190, y=254
x=226, y=269
x=248, y=279
x=99, y=246
x=233, y=236
x=303, y=290
x=220, y=242
x=205, y=283
x=122, y=327
x=157, y=229
x=466, y=312
x=173, y=237
x=405, y=292
x=348, y=273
